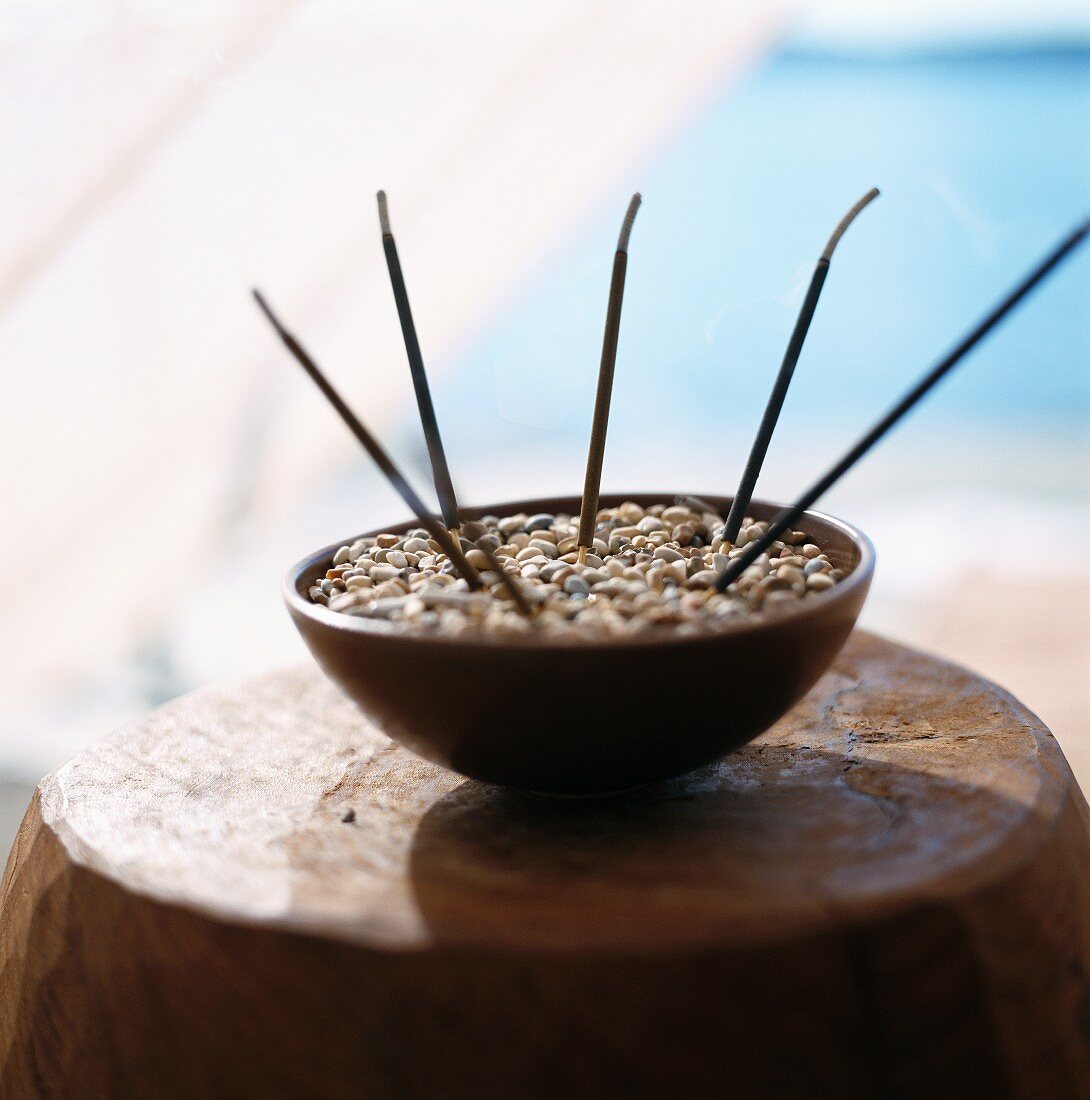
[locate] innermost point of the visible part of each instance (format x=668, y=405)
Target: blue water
x=983, y=161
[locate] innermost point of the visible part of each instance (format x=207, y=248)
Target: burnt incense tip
x=626, y=225
x=267, y=310
x=847, y=220
x=383, y=214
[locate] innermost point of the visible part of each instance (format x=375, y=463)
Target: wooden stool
x=253, y=893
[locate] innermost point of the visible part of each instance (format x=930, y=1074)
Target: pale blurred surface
x=163, y=463
x=156, y=441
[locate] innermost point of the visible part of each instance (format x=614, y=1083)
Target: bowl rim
x=377, y=629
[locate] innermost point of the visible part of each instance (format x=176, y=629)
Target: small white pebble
x=478, y=559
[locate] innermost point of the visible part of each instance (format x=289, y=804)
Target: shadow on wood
x=253, y=893
x=661, y=941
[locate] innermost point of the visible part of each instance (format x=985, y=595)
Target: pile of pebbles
x=649, y=568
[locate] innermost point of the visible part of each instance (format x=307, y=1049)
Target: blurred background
x=164, y=462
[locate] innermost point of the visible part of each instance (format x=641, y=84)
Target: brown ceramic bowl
x=579, y=717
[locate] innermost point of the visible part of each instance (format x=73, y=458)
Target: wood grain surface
x=253, y=893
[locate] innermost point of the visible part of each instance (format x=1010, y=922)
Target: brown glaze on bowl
x=577, y=717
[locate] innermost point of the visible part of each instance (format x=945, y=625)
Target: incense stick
x=440, y=472
x=592, y=484
x=783, y=380
x=699, y=504
x=375, y=449
x=784, y=520
x=508, y=581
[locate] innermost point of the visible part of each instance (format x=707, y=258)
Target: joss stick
x=783, y=380
x=375, y=449
x=593, y=482
x=790, y=515
x=440, y=472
